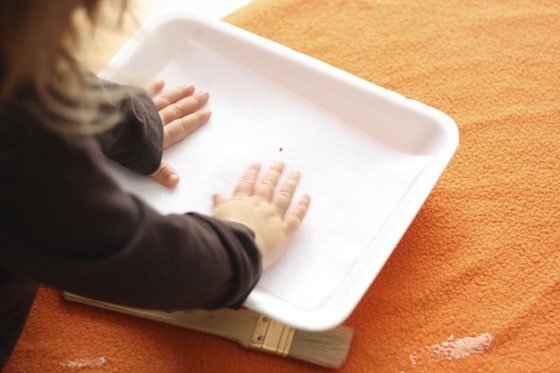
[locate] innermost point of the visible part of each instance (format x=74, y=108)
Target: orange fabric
x=483, y=254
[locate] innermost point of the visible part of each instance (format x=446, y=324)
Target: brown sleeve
x=66, y=223
x=136, y=141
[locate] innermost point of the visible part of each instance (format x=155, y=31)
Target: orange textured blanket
x=474, y=285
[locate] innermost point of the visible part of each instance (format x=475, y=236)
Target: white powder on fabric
x=85, y=363
x=453, y=349
x=413, y=361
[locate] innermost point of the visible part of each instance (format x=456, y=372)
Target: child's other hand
x=264, y=208
x=181, y=112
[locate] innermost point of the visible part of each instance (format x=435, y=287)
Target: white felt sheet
x=355, y=182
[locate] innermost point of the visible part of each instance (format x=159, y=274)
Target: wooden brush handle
x=236, y=325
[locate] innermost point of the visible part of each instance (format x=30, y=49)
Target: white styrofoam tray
x=369, y=156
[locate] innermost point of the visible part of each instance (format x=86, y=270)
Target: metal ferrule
x=272, y=336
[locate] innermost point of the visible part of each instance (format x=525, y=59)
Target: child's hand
x=265, y=209
x=181, y=112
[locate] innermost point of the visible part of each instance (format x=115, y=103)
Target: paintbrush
x=250, y=329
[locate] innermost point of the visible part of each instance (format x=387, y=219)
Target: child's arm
x=136, y=140
x=66, y=223
x=152, y=122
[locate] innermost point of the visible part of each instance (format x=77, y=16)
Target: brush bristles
x=329, y=348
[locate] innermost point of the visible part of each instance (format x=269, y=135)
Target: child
x=66, y=223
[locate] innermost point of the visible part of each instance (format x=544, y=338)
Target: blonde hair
x=38, y=68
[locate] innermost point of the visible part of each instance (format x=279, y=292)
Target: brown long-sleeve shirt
x=66, y=223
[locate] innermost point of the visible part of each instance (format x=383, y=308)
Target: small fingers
x=266, y=186
x=182, y=127
x=247, y=182
x=218, y=199
x=283, y=196
x=155, y=88
x=172, y=96
x=182, y=107
x=295, y=215
x=166, y=175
